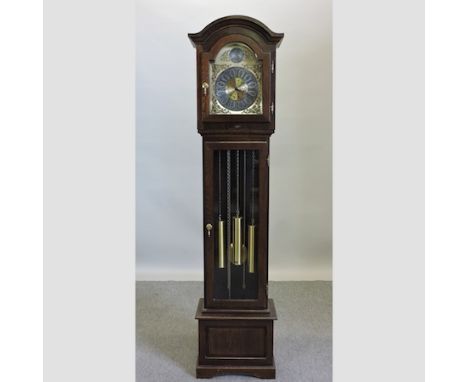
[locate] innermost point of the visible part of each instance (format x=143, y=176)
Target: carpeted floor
x=167, y=338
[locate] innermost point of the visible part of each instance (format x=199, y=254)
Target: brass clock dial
x=236, y=88
x=236, y=81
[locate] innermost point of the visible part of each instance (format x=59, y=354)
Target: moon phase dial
x=236, y=88
x=236, y=55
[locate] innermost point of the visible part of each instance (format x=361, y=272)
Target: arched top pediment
x=236, y=24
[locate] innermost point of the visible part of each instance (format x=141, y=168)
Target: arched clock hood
x=233, y=25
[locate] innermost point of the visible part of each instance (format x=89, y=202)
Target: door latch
x=205, y=87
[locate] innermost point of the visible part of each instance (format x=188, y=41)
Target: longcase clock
x=236, y=68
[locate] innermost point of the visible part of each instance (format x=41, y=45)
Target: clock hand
x=243, y=88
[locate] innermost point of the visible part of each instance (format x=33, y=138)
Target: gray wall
x=169, y=150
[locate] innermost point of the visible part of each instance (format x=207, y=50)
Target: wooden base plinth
x=264, y=372
x=236, y=342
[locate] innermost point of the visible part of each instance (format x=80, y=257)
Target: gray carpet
x=167, y=338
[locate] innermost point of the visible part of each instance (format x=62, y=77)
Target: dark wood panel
x=236, y=342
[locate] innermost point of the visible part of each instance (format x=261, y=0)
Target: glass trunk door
x=235, y=206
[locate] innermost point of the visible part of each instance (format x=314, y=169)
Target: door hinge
x=272, y=108
x=272, y=66
x=268, y=160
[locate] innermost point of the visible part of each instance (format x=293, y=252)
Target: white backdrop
x=169, y=151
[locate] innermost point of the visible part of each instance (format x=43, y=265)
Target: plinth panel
x=235, y=342
x=231, y=341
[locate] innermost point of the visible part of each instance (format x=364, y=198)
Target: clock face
x=236, y=88
x=235, y=81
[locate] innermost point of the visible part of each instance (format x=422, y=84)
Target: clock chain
x=251, y=228
x=252, y=189
x=219, y=186
x=244, y=193
x=237, y=219
x=237, y=183
x=221, y=263
x=228, y=218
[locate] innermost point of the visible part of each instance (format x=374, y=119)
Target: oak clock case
x=235, y=96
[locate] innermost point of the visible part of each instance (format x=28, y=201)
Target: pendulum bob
x=243, y=253
x=231, y=252
x=251, y=251
x=221, y=244
x=244, y=258
x=237, y=250
x=237, y=240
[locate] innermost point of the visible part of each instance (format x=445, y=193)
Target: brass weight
x=251, y=252
x=221, y=244
x=237, y=258
x=237, y=241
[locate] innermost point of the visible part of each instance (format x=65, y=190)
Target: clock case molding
x=236, y=336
